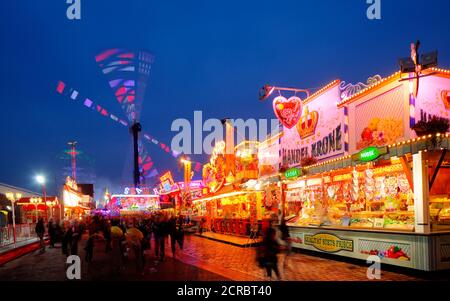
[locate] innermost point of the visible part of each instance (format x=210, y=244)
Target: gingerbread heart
x=288, y=111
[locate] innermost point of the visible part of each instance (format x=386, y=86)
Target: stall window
x=366, y=196
x=440, y=190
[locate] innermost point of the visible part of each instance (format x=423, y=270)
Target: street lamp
x=41, y=180
x=13, y=198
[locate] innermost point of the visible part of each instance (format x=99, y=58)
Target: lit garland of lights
x=321, y=90
x=444, y=71
x=447, y=135
x=348, y=99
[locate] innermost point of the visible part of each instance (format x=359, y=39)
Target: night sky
x=209, y=55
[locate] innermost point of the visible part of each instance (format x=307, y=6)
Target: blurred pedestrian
x=107, y=235
x=40, y=231
x=270, y=250
x=51, y=232
x=76, y=235
x=134, y=238
x=159, y=231
x=286, y=239
x=89, y=248
x=175, y=227
x=67, y=240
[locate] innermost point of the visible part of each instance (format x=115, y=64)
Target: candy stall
x=379, y=184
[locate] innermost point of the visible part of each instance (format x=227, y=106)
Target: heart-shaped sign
x=288, y=111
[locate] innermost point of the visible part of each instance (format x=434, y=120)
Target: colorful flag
x=60, y=87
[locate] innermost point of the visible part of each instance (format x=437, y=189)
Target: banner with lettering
x=318, y=134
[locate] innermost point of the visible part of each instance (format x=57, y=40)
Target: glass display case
x=367, y=196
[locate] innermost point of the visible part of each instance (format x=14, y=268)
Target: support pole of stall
x=283, y=200
x=421, y=193
x=438, y=166
x=407, y=169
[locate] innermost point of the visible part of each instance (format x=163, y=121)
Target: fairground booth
x=234, y=201
x=76, y=205
x=366, y=170
x=32, y=208
x=134, y=202
x=170, y=200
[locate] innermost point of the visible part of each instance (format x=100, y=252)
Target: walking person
x=145, y=242
x=175, y=226
x=134, y=238
x=116, y=247
x=40, y=231
x=159, y=231
x=51, y=233
x=270, y=250
x=286, y=239
x=67, y=239
x=89, y=248
x=76, y=235
x=107, y=235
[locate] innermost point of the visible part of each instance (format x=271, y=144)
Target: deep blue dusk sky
x=209, y=55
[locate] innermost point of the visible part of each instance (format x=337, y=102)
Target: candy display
x=364, y=197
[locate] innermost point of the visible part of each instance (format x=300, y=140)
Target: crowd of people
x=120, y=236
x=123, y=237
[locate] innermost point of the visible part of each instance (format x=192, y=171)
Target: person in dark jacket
x=107, y=235
x=76, y=235
x=172, y=231
x=159, y=231
x=89, y=248
x=51, y=232
x=175, y=227
x=40, y=231
x=270, y=250
x=286, y=238
x=67, y=240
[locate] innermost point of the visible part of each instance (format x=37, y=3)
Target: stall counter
x=426, y=252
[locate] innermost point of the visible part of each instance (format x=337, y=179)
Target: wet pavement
x=201, y=259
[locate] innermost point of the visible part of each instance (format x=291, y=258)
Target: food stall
x=31, y=208
x=73, y=201
x=133, y=205
x=169, y=194
x=233, y=204
x=380, y=186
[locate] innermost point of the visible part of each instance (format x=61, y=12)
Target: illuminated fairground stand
x=76, y=204
x=170, y=194
x=133, y=202
x=234, y=201
x=365, y=170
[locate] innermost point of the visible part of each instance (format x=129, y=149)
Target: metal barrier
x=23, y=232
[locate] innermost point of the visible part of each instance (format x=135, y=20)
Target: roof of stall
x=412, y=146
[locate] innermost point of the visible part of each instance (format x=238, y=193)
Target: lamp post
x=41, y=180
x=187, y=179
x=13, y=198
x=36, y=201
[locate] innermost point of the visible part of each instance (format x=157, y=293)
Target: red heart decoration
x=288, y=111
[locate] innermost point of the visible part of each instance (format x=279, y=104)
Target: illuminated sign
x=142, y=202
x=71, y=199
x=193, y=184
x=369, y=154
x=319, y=133
x=167, y=183
x=292, y=173
x=329, y=243
x=288, y=111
